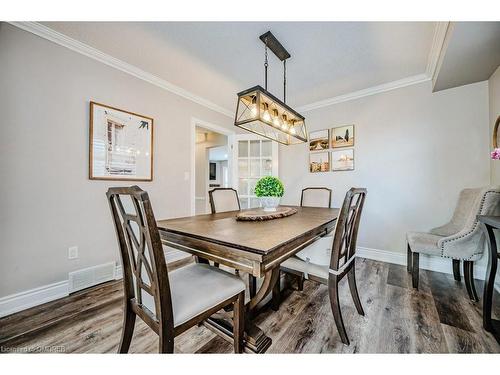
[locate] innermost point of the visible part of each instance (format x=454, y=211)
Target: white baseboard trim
x=33, y=297
x=426, y=262
x=38, y=296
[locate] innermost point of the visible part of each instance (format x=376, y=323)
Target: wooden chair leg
x=300, y=283
x=469, y=280
x=239, y=322
x=166, y=342
x=275, y=304
x=415, y=269
x=408, y=259
x=127, y=329
x=252, y=285
x=351, y=277
x=456, y=269
x=333, y=290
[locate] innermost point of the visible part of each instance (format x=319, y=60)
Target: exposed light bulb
x=292, y=126
x=253, y=107
x=266, y=116
x=284, y=124
x=276, y=120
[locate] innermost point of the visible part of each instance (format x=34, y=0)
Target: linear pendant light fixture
x=260, y=112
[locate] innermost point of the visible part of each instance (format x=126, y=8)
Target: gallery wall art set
x=332, y=149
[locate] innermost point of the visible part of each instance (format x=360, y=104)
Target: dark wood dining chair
x=329, y=269
x=223, y=200
x=168, y=302
x=316, y=197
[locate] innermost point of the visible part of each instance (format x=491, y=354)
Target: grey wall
x=47, y=201
x=414, y=151
x=494, y=103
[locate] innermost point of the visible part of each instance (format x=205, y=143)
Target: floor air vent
x=91, y=276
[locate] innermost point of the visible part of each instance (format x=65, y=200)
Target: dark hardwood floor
x=439, y=318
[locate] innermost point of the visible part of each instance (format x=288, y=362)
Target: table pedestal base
x=255, y=339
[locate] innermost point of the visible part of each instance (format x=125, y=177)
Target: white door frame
x=218, y=129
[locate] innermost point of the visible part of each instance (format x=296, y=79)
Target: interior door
x=254, y=157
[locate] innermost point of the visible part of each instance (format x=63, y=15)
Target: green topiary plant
x=269, y=186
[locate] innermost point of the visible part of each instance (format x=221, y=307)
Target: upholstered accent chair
x=330, y=258
x=223, y=200
x=316, y=197
x=460, y=240
x=168, y=302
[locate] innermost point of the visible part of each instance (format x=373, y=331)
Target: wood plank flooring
x=438, y=318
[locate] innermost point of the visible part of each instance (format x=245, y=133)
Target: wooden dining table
x=255, y=247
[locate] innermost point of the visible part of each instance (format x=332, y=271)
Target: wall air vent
x=91, y=276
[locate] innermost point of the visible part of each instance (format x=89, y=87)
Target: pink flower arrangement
x=495, y=154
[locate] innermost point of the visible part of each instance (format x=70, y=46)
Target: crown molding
x=408, y=81
x=436, y=55
x=442, y=34
x=86, y=50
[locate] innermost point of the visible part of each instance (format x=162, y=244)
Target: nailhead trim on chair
x=476, y=223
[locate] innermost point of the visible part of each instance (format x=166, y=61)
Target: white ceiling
x=215, y=60
x=471, y=54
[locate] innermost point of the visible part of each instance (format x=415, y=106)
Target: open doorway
x=211, y=167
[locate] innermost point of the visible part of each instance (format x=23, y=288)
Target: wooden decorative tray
x=260, y=215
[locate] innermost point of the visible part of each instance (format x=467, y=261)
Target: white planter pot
x=269, y=204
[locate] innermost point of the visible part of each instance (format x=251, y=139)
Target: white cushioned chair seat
x=319, y=252
x=308, y=268
x=197, y=288
x=424, y=243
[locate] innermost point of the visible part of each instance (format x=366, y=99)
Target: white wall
x=494, y=104
x=414, y=152
x=47, y=201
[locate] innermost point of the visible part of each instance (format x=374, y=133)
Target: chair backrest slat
x=145, y=274
x=316, y=197
x=346, y=229
x=223, y=200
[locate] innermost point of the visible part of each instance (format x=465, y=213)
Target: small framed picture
x=319, y=140
x=120, y=144
x=319, y=162
x=343, y=136
x=343, y=160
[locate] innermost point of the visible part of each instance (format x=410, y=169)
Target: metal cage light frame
x=262, y=113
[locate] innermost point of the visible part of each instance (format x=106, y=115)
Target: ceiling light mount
x=260, y=112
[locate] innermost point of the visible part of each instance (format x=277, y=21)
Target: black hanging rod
x=274, y=45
